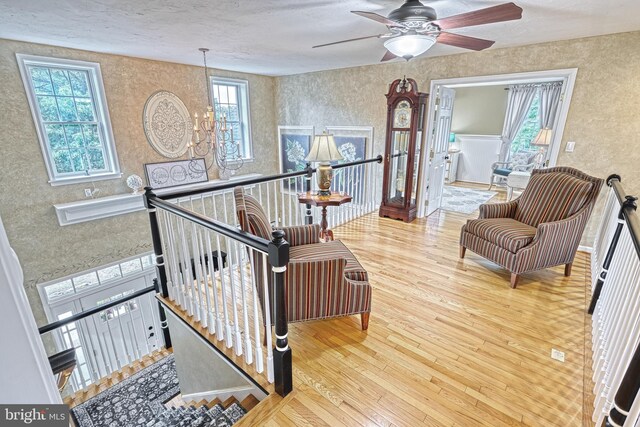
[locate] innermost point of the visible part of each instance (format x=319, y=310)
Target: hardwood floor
x=449, y=342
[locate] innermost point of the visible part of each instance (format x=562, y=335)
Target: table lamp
x=542, y=140
x=324, y=150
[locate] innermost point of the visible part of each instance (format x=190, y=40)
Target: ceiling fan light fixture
x=410, y=45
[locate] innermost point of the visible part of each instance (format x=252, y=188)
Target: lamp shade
x=324, y=149
x=543, y=138
x=410, y=45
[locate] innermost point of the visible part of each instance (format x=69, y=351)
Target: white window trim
x=102, y=111
x=245, y=108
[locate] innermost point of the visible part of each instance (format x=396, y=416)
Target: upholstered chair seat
x=322, y=280
x=540, y=229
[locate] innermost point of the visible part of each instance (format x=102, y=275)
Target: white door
x=439, y=147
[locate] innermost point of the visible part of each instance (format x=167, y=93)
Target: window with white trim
x=70, y=111
x=231, y=99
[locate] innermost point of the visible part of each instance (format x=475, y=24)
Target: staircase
x=202, y=414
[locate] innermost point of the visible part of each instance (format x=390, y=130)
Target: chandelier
x=213, y=136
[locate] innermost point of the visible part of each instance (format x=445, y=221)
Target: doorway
x=470, y=155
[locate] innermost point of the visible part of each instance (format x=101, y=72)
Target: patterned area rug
x=464, y=200
x=131, y=402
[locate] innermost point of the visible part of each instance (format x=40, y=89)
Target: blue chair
x=522, y=161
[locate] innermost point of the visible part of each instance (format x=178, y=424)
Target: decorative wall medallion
x=167, y=124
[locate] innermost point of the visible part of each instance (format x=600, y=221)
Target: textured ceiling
x=274, y=37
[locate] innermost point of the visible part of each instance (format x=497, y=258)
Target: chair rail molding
x=121, y=204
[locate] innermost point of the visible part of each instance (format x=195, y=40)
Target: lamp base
x=324, y=176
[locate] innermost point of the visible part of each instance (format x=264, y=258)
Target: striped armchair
x=540, y=229
x=322, y=280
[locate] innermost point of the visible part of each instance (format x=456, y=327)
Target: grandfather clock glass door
x=405, y=111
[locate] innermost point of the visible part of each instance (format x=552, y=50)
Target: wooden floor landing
x=449, y=343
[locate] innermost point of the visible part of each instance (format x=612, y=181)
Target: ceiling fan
x=414, y=28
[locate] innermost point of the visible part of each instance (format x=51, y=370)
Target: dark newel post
x=279, y=258
x=161, y=280
x=307, y=179
x=626, y=394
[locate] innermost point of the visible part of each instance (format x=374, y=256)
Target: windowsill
x=121, y=204
x=85, y=178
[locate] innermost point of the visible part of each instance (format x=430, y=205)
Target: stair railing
x=615, y=306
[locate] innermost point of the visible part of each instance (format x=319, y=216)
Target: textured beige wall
x=603, y=118
x=479, y=110
x=48, y=251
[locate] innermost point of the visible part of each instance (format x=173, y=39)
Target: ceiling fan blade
x=500, y=13
x=377, y=36
x=378, y=18
x=388, y=57
x=465, y=42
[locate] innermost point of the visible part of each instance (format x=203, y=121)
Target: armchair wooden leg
x=567, y=269
x=514, y=280
x=364, y=319
x=491, y=183
x=463, y=250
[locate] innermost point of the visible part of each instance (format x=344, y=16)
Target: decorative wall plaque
x=167, y=124
x=178, y=172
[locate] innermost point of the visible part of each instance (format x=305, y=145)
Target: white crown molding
x=121, y=204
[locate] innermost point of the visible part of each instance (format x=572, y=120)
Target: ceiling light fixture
x=212, y=135
x=409, y=45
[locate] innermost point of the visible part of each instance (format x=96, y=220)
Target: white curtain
x=549, y=100
x=518, y=104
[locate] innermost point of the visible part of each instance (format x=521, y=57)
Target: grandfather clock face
x=402, y=115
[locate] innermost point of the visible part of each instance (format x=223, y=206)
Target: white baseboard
x=587, y=249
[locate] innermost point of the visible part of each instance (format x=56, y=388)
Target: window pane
x=96, y=158
x=131, y=266
x=61, y=84
x=233, y=95
x=62, y=160
x=55, y=133
x=58, y=290
x=78, y=159
x=109, y=273
x=67, y=110
x=79, y=83
x=85, y=109
x=224, y=97
x=529, y=129
x=234, y=115
x=74, y=136
x=48, y=108
x=91, y=138
x=41, y=81
x=85, y=280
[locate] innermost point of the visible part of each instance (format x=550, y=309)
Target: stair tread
x=249, y=402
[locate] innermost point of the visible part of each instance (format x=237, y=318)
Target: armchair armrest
x=494, y=165
x=298, y=235
x=555, y=242
x=498, y=210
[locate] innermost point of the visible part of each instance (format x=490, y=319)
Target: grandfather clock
x=406, y=110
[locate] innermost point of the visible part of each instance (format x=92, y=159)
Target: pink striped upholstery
x=322, y=279
x=557, y=200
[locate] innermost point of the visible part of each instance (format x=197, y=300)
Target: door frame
x=566, y=75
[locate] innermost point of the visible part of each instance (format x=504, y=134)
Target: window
x=529, y=129
x=70, y=112
x=231, y=99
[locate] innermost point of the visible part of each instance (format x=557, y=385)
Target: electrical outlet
x=87, y=192
x=557, y=355
x=571, y=145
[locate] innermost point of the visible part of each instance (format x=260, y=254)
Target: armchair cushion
x=552, y=197
x=251, y=215
x=298, y=235
x=522, y=158
x=506, y=233
x=502, y=171
x=330, y=250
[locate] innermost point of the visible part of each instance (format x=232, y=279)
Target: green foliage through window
x=529, y=129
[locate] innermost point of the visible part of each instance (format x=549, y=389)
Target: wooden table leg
x=325, y=233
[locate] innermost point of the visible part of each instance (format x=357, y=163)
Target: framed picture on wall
x=294, y=144
x=175, y=173
x=354, y=143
